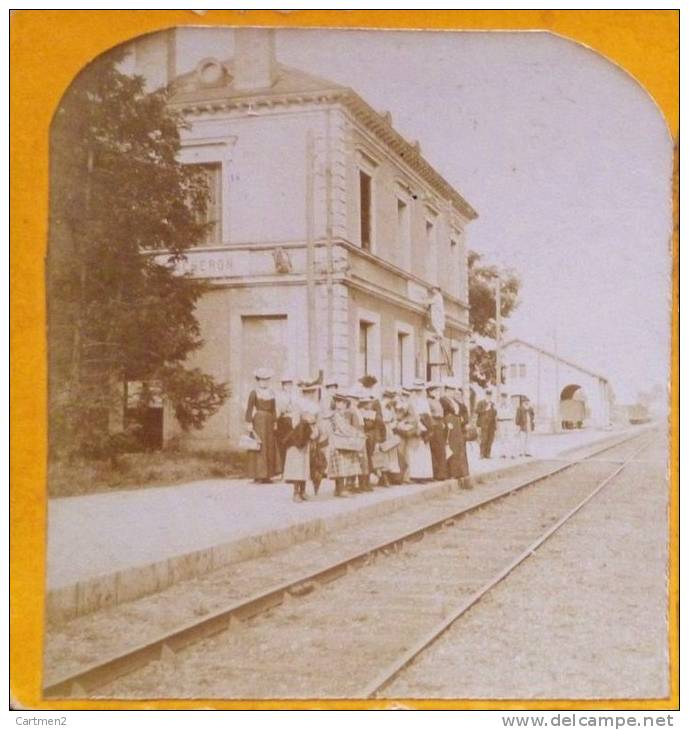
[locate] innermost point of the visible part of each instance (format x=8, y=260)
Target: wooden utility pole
x=556, y=427
x=310, y=283
x=498, y=337
x=329, y=243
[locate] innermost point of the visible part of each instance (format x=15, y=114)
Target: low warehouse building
x=563, y=394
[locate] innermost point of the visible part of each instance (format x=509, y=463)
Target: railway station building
x=563, y=394
x=331, y=233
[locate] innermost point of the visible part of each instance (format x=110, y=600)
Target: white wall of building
x=542, y=378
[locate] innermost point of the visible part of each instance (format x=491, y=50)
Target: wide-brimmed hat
x=330, y=383
x=433, y=385
x=341, y=396
x=263, y=373
x=390, y=392
x=307, y=387
x=368, y=381
x=286, y=378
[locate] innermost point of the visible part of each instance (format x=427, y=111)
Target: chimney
x=155, y=58
x=255, y=66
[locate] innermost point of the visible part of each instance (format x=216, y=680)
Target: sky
x=564, y=156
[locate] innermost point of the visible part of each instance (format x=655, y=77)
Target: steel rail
x=395, y=668
x=79, y=683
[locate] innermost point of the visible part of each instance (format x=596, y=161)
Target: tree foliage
x=483, y=311
x=123, y=212
x=482, y=364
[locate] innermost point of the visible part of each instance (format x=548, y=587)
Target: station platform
x=104, y=549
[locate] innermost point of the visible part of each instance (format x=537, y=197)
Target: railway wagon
x=638, y=413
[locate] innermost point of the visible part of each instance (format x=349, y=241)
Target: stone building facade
x=329, y=232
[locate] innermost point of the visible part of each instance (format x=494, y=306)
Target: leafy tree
x=117, y=310
x=483, y=310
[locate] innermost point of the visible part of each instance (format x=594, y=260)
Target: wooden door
x=264, y=344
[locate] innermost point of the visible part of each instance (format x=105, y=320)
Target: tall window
x=430, y=233
x=364, y=347
x=213, y=215
x=522, y=370
x=513, y=371
x=455, y=361
x=431, y=252
x=402, y=345
x=434, y=363
x=365, y=209
x=403, y=233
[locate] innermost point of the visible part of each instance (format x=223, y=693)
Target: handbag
x=470, y=433
x=390, y=443
x=347, y=443
x=248, y=442
x=379, y=460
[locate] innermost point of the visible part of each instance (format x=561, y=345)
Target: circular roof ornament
x=210, y=72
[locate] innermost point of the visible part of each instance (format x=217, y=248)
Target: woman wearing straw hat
x=456, y=420
x=373, y=430
x=386, y=458
x=297, y=470
x=438, y=434
x=260, y=420
x=286, y=403
x=412, y=429
x=318, y=455
x=343, y=463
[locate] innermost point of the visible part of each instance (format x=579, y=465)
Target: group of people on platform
x=362, y=437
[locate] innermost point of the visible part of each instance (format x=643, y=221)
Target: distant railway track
x=85, y=681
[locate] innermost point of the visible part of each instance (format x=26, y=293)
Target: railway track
x=165, y=647
x=391, y=672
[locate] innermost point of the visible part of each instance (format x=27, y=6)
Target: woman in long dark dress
x=262, y=465
x=437, y=434
x=456, y=419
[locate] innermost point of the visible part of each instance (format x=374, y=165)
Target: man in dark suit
x=525, y=420
x=487, y=422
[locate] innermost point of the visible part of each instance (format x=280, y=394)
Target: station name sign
x=208, y=265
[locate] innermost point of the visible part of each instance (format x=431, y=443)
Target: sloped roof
x=298, y=86
x=564, y=361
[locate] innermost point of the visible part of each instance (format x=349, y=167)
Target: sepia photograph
x=358, y=358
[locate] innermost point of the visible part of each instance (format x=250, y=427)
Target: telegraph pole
x=498, y=337
x=557, y=383
x=310, y=283
x=329, y=243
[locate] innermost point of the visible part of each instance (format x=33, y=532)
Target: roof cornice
x=370, y=118
x=410, y=153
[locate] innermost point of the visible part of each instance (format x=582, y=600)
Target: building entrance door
x=264, y=344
